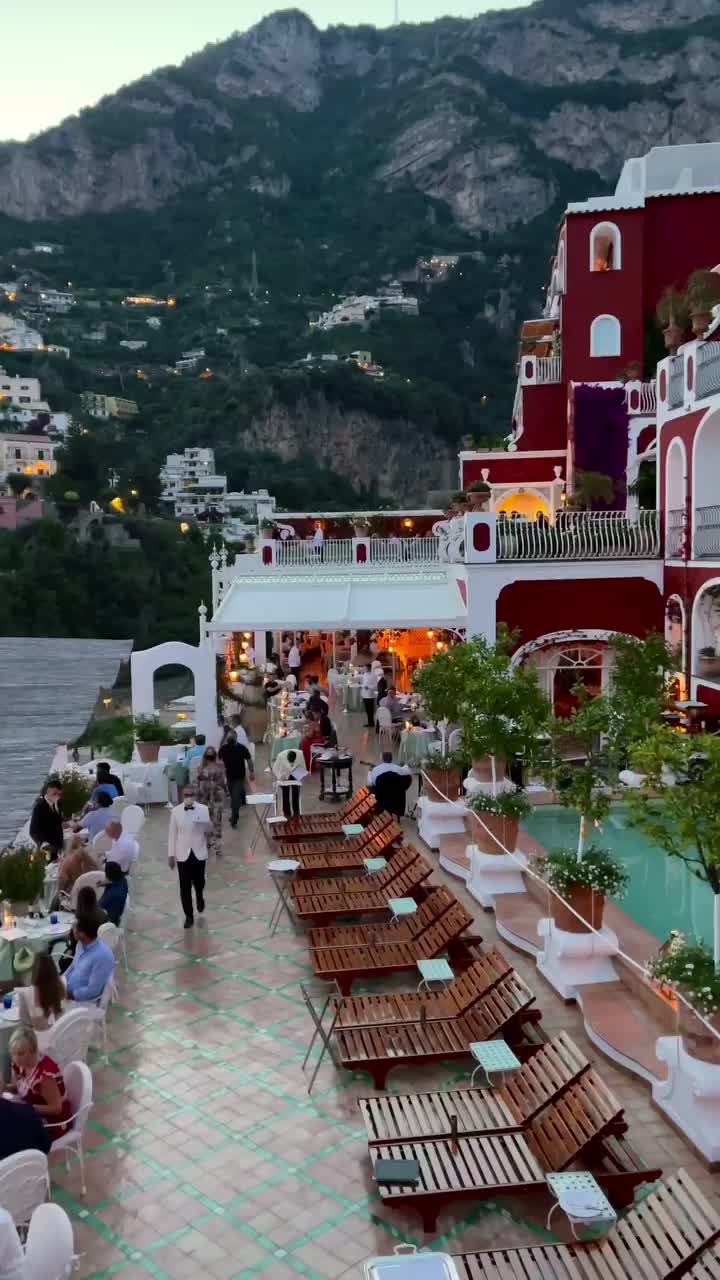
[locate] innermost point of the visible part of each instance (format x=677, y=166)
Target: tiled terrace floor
x=206, y=1155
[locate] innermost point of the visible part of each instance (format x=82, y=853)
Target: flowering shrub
x=509, y=804
x=597, y=870
x=689, y=968
x=22, y=873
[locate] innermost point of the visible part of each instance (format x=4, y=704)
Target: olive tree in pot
x=582, y=886
x=22, y=873
x=498, y=818
x=443, y=774
x=150, y=736
x=678, y=807
x=501, y=711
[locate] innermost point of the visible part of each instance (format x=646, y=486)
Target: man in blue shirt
x=93, y=965
x=21, y=1128
x=197, y=749
x=96, y=820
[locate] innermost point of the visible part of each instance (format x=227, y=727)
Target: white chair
x=49, y=1250
x=89, y=880
x=134, y=791
x=387, y=730
x=132, y=819
x=101, y=845
x=69, y=1039
x=118, y=806
x=114, y=937
x=454, y=740
x=98, y=1011
x=79, y=1093
x=24, y=1184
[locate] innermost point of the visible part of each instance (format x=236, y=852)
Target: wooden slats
x=438, y=901
x=465, y=990
x=404, y=858
x=483, y=1166
x=378, y=837
x=360, y=808
x=585, y=1112
x=326, y=906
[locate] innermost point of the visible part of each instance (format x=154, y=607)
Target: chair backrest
x=133, y=790
x=107, y=993
x=110, y=935
x=89, y=880
x=384, y=718
x=101, y=844
x=79, y=1092
x=473, y=985
x=543, y=1077
x=585, y=1112
x=50, y=1249
x=69, y=1039
x=119, y=804
x=24, y=1184
x=435, y=938
x=133, y=819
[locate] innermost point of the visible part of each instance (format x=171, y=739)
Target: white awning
x=340, y=604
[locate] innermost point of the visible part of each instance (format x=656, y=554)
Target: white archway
x=706, y=487
x=705, y=626
x=560, y=645
x=605, y=247
x=675, y=629
x=675, y=497
x=605, y=336
x=200, y=661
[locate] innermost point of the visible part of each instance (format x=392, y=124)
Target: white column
x=260, y=646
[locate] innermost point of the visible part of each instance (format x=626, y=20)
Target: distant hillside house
x=101, y=406
x=28, y=455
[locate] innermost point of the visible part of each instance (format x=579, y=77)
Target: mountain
x=341, y=156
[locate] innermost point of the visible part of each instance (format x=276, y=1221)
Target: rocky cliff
x=485, y=116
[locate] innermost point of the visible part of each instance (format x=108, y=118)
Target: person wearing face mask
x=211, y=791
x=187, y=849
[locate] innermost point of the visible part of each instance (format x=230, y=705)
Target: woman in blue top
x=115, y=895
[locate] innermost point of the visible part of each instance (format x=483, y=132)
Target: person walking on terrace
x=187, y=849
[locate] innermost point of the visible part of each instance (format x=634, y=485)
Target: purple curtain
x=601, y=436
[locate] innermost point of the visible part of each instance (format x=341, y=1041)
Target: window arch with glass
x=605, y=247
x=605, y=336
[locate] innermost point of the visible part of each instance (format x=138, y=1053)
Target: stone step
x=516, y=920
x=623, y=1027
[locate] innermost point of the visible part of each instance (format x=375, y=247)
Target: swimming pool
x=662, y=894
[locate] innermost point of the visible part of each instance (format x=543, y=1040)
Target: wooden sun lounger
x=323, y=908
x=345, y=844
x=403, y=857
x=321, y=826
x=657, y=1239
x=505, y=1011
x=405, y=929
x=580, y=1127
x=466, y=990
x=334, y=858
x=509, y=1109
x=349, y=964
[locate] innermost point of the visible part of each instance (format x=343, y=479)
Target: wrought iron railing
x=547, y=368
x=675, y=534
x=581, y=535
x=641, y=398
x=706, y=537
x=708, y=369
x=676, y=382
x=378, y=552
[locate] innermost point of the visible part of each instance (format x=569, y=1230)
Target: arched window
x=605, y=336
x=605, y=247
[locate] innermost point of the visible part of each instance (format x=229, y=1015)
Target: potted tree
x=497, y=831
x=442, y=772
x=22, y=874
x=266, y=529
x=77, y=788
x=479, y=495
x=361, y=525
x=672, y=313
x=703, y=293
x=150, y=736
x=501, y=710
x=582, y=886
x=708, y=661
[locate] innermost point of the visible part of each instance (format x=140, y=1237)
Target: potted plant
x=361, y=525
x=77, y=788
x=582, y=885
x=266, y=529
x=497, y=830
x=708, y=661
x=703, y=293
x=443, y=775
x=22, y=874
x=501, y=710
x=479, y=495
x=687, y=967
x=150, y=736
x=672, y=313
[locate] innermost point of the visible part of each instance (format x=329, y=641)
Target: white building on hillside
x=29, y=455
x=359, y=309
x=16, y=335
x=23, y=392
x=192, y=485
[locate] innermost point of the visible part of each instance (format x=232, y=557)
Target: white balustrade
x=641, y=398
x=548, y=369
x=708, y=369
x=581, y=535
x=676, y=382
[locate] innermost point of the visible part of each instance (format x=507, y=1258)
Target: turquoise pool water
x=662, y=895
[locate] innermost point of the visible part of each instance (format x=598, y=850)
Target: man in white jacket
x=187, y=847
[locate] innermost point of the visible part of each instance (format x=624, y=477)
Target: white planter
x=572, y=960
x=492, y=873
x=439, y=818
x=690, y=1096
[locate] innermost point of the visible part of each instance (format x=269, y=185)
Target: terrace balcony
x=704, y=544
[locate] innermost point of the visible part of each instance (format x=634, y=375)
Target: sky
x=78, y=50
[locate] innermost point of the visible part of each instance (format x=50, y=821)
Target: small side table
x=581, y=1199
x=373, y=865
x=336, y=767
x=402, y=907
x=353, y=829
x=282, y=872
x=493, y=1056
x=261, y=803
x=434, y=971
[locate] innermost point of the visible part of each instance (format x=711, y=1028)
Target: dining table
x=417, y=745
x=284, y=742
x=35, y=934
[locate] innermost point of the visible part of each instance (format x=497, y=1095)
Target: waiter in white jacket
x=187, y=847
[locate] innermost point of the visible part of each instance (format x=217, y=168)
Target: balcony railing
x=708, y=369
x=381, y=552
x=581, y=535
x=548, y=369
x=641, y=398
x=676, y=382
x=675, y=534
x=706, y=540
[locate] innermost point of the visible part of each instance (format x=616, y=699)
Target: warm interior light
x=184, y=527
x=181, y=715
x=430, y=634
x=233, y=676
x=438, y=645
x=247, y=634
x=408, y=523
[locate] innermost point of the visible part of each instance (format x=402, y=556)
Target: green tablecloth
x=290, y=742
x=415, y=747
x=352, y=697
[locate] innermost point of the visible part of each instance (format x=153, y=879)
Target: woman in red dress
x=38, y=1080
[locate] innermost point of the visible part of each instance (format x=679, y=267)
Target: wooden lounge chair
x=378, y=841
x=506, y=1011
x=322, y=826
x=657, y=1239
x=401, y=859
x=349, y=964
x=466, y=990
x=437, y=902
x=345, y=844
x=586, y=1124
x=324, y=907
x=508, y=1109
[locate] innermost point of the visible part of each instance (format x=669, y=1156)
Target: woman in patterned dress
x=211, y=790
x=38, y=1080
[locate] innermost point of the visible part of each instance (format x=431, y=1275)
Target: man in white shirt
x=294, y=661
x=386, y=765
x=318, y=540
x=368, y=687
x=291, y=682
x=187, y=848
x=124, y=849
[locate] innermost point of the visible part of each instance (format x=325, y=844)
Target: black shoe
x=189, y=922
x=234, y=825
x=201, y=906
